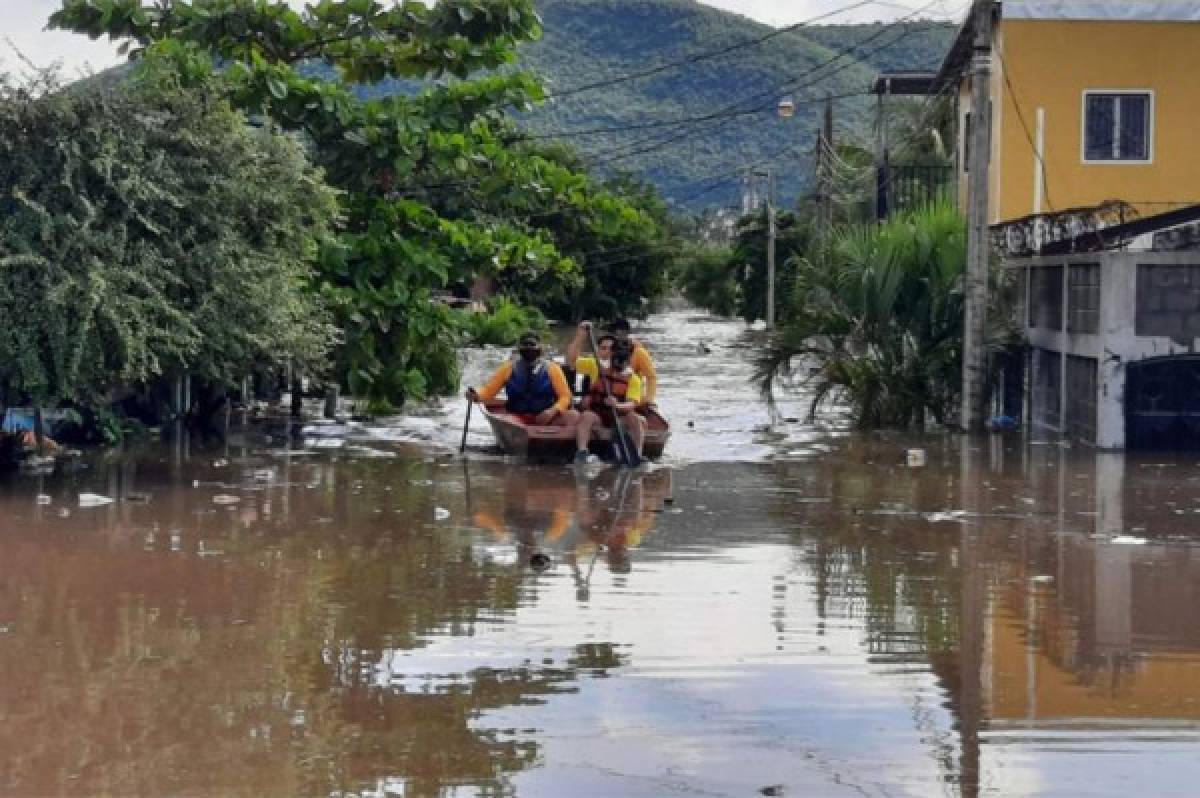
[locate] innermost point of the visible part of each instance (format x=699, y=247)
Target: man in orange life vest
x=640, y=361
x=614, y=390
x=534, y=388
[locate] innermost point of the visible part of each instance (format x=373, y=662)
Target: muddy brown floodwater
x=359, y=611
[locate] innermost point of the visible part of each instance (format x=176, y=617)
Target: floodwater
x=786, y=610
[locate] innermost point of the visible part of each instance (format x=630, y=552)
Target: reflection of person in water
x=545, y=511
x=536, y=513
x=615, y=524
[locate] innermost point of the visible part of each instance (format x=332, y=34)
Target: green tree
x=748, y=262
x=707, y=281
x=879, y=315
x=147, y=234
x=435, y=190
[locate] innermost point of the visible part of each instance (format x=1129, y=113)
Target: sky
x=25, y=21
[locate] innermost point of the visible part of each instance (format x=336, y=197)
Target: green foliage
x=151, y=233
x=589, y=41
x=502, y=325
x=879, y=315
x=435, y=191
x=735, y=282
x=626, y=250
x=707, y=281
x=748, y=263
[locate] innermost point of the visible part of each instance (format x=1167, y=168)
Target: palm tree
x=877, y=321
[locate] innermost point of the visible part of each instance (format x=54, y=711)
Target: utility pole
x=882, y=168
x=974, y=366
x=771, y=235
x=824, y=177
x=829, y=152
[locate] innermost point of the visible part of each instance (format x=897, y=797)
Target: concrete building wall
x=1045, y=69
x=1088, y=318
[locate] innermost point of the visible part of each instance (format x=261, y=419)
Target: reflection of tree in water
x=873, y=559
x=129, y=668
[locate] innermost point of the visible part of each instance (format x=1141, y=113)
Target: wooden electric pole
x=823, y=177
x=974, y=410
x=771, y=235
x=829, y=155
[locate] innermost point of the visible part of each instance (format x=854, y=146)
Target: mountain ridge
x=697, y=164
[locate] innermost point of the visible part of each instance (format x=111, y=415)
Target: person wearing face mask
x=534, y=388
x=614, y=390
x=640, y=360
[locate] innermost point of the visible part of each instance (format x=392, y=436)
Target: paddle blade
x=624, y=449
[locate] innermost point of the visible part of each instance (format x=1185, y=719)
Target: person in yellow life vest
x=640, y=360
x=534, y=388
x=613, y=390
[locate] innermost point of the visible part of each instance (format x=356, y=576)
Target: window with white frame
x=1117, y=126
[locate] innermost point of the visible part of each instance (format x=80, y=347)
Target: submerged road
x=772, y=610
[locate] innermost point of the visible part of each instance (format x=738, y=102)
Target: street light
x=786, y=109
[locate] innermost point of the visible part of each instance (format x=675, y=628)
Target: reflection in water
x=262, y=620
x=182, y=645
x=1053, y=598
x=572, y=515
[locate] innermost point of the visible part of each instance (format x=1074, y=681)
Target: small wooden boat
x=514, y=436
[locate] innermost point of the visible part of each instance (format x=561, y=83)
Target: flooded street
x=771, y=610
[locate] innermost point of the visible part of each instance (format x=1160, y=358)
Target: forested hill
x=593, y=41
x=725, y=105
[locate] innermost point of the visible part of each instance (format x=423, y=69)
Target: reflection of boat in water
x=514, y=436
x=549, y=515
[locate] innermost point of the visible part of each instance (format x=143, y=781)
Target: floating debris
x=43, y=499
x=440, y=513
x=915, y=458
x=225, y=498
x=93, y=500
x=1129, y=540
x=949, y=515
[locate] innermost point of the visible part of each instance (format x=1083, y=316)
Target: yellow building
x=1092, y=101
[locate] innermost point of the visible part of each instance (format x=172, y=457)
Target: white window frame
x=1149, y=159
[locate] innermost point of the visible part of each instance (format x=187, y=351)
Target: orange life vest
x=618, y=385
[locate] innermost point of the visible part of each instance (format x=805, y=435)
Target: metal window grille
x=1083, y=298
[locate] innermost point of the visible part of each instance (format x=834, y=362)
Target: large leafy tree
x=435, y=190
x=147, y=234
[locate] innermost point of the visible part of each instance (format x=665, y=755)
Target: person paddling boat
x=535, y=388
x=640, y=360
x=614, y=390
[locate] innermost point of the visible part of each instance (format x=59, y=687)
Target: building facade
x=1091, y=101
x=1093, y=199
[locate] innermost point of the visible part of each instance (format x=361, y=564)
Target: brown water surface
x=351, y=613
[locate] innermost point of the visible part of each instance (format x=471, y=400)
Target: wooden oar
x=583, y=586
x=463, y=447
x=626, y=454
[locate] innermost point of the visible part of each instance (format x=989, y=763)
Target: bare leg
x=636, y=425
x=567, y=418
x=583, y=430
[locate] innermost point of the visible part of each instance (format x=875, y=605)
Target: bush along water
x=876, y=321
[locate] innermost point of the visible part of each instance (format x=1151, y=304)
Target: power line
x=704, y=56
x=793, y=84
